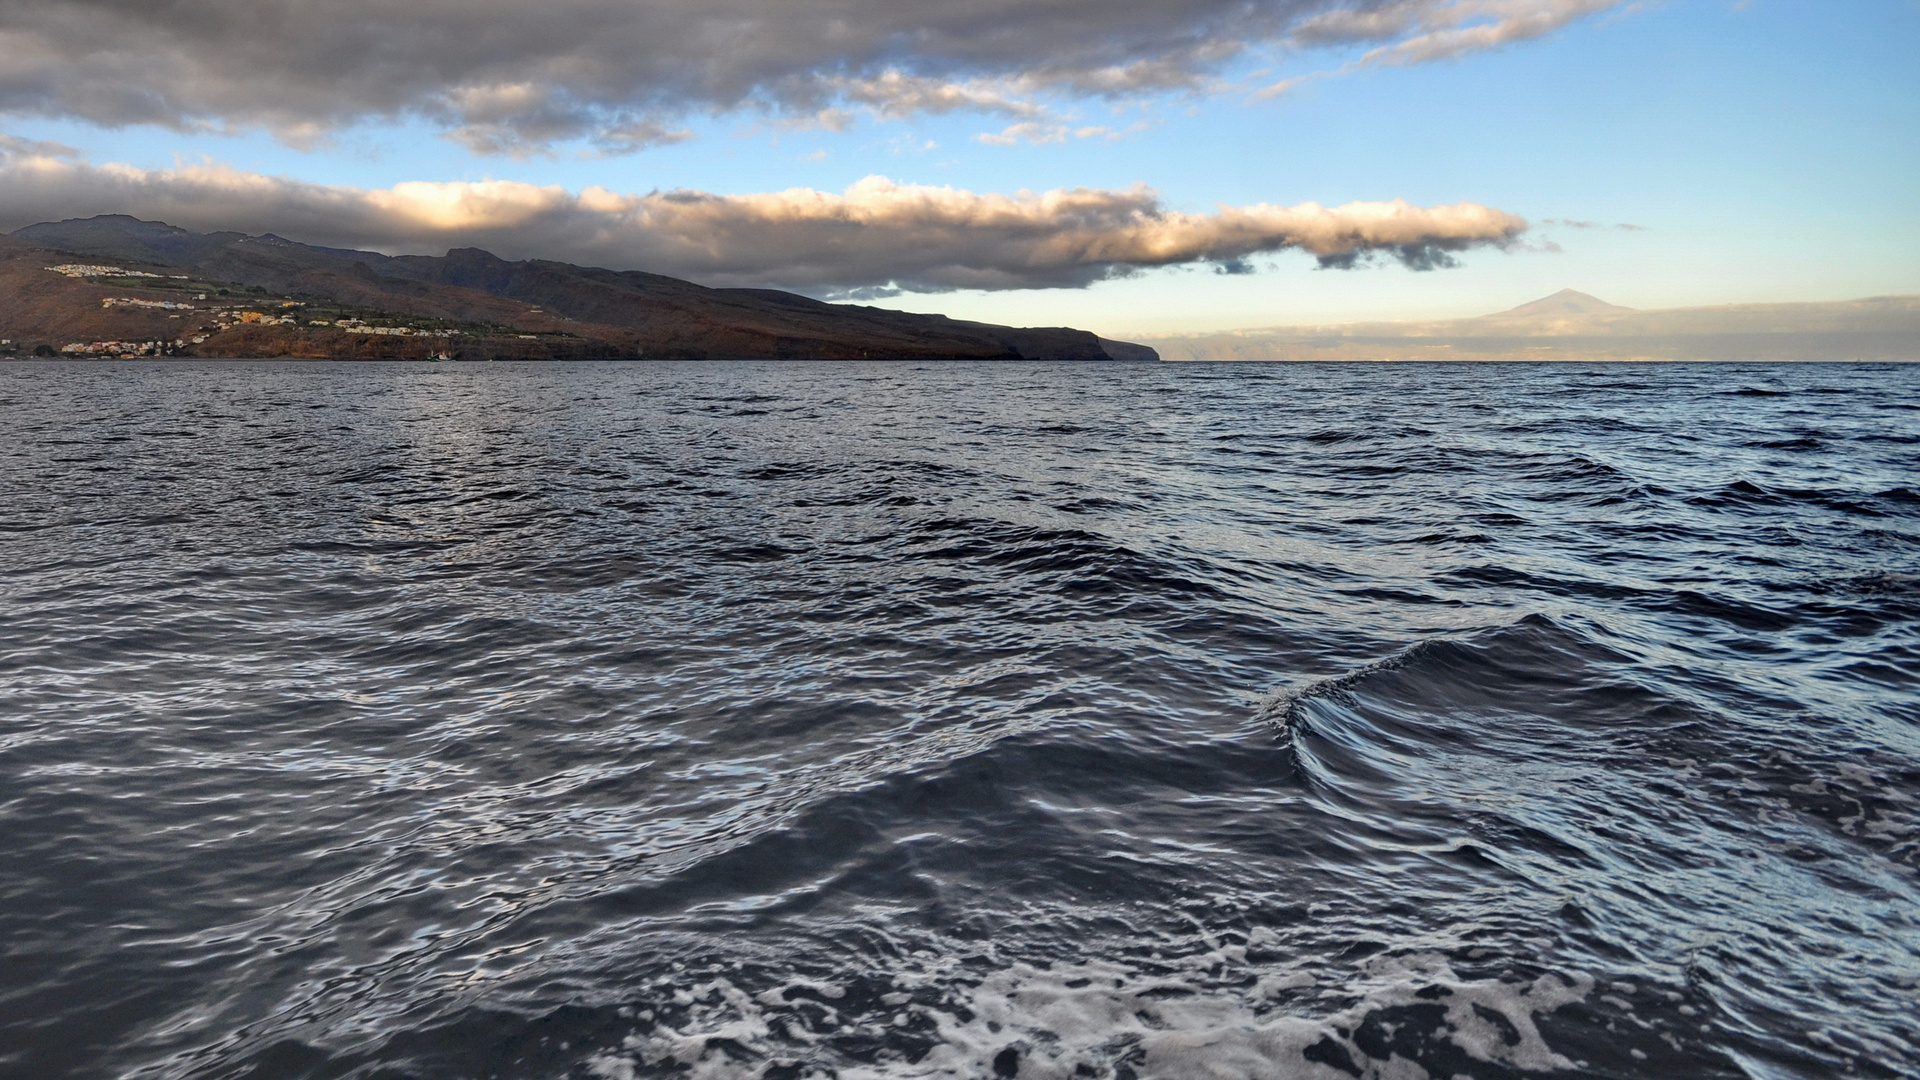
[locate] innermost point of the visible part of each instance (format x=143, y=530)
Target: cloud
x=522, y=120
x=507, y=76
x=1425, y=31
x=1033, y=131
x=1572, y=223
x=1450, y=30
x=877, y=235
x=12, y=147
x=894, y=94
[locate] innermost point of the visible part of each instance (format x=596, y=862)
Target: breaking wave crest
x=1104, y=1019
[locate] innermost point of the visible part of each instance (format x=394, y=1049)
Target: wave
x=1103, y=1019
x=544, y=722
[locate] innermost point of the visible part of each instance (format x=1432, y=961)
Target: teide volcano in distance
x=1573, y=326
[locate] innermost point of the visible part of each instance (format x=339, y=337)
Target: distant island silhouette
x=1571, y=325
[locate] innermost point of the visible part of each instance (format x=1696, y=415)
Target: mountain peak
x=120, y=237
x=104, y=224
x=1566, y=302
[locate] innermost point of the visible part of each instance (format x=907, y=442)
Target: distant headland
x=117, y=286
x=1572, y=325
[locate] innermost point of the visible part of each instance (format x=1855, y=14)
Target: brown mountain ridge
x=235, y=295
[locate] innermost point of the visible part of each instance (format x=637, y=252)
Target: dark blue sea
x=1125, y=721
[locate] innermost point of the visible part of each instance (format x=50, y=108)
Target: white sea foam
x=1074, y=1020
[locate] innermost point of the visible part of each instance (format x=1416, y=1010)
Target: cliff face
x=498, y=308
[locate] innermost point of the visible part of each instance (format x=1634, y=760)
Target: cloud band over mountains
x=511, y=76
x=876, y=235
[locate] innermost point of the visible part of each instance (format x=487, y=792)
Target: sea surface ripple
x=974, y=721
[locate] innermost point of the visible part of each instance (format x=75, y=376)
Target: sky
x=1133, y=168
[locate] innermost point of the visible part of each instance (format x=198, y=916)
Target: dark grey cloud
x=512, y=76
x=875, y=238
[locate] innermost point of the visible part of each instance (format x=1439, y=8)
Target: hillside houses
x=122, y=349
x=88, y=270
x=157, y=305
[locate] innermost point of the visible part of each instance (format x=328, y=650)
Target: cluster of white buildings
x=359, y=326
x=86, y=270
x=159, y=305
x=123, y=349
x=225, y=319
x=229, y=318
x=398, y=331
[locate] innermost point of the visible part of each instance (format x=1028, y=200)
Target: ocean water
x=896, y=721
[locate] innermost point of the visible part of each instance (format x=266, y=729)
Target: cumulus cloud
x=876, y=235
x=506, y=76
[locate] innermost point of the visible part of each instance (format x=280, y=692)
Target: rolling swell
x=897, y=720
x=1449, y=748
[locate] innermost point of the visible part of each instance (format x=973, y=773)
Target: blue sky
x=1765, y=151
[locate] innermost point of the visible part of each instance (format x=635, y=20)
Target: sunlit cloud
x=877, y=234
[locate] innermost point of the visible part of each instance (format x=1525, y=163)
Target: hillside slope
x=569, y=310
